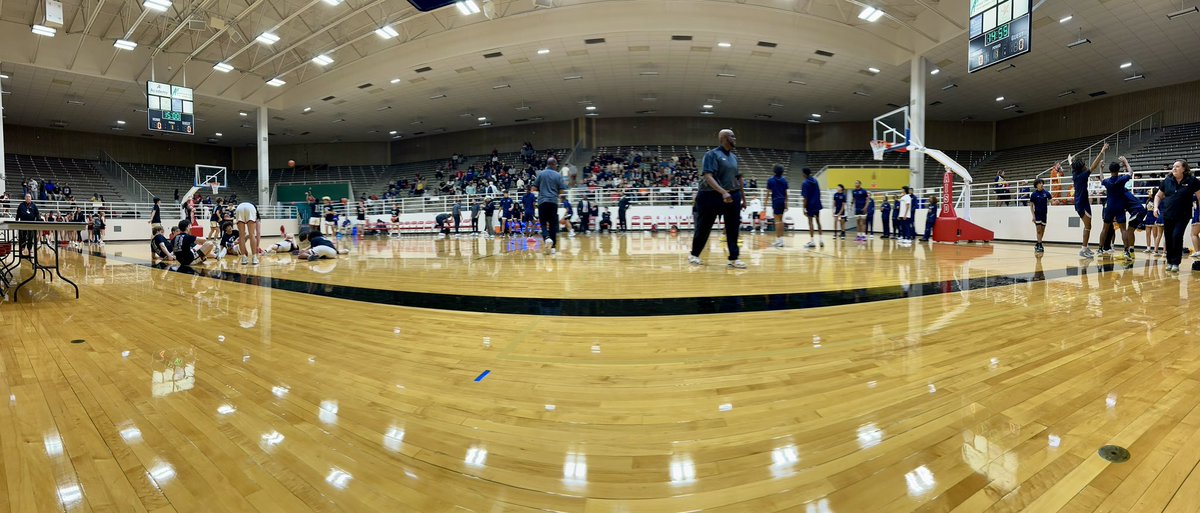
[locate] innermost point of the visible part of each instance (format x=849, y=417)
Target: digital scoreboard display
x=999, y=30
x=170, y=109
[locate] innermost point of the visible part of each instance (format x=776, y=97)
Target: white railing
x=127, y=210
x=1132, y=134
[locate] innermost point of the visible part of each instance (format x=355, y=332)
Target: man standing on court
x=549, y=185
x=585, y=214
x=27, y=211
x=719, y=195
x=810, y=196
x=859, y=195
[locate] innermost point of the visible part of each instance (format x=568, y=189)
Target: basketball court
x=392, y=354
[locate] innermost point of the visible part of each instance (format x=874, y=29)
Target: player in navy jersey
x=839, y=212
x=778, y=185
x=885, y=215
x=1195, y=227
x=1115, y=207
x=931, y=213
x=1039, y=206
x=896, y=232
x=810, y=197
x=1152, y=226
x=859, y=196
x=1079, y=176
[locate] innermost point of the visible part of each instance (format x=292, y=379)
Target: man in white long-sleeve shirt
x=906, y=221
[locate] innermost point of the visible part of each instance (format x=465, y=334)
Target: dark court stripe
x=618, y=307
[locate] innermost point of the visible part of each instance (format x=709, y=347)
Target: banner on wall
x=875, y=179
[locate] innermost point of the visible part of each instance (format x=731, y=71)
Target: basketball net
x=216, y=186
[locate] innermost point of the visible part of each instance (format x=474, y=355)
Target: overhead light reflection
x=575, y=468
x=683, y=471
x=920, y=481
x=476, y=456
x=338, y=478
x=393, y=439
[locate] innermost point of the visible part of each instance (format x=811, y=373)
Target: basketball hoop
x=878, y=148
x=216, y=186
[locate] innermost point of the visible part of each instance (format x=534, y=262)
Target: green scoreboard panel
x=999, y=30
x=170, y=109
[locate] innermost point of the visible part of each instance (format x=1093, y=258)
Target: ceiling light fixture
x=1066, y=93
x=707, y=112
x=122, y=44
x=813, y=121
x=573, y=77
x=120, y=122
x=706, y=106
x=999, y=98
x=817, y=116
x=726, y=75
x=275, y=82
x=393, y=132
x=1181, y=12
x=43, y=30
x=3, y=75
x=1135, y=77
x=797, y=82
x=861, y=93
x=219, y=134
x=334, y=3
x=157, y=5
x=1081, y=41
x=222, y=67
x=243, y=114
x=648, y=73
x=395, y=81
x=724, y=45
x=267, y=38
x=323, y=60
x=543, y=51
x=437, y=97
x=1010, y=107
x=501, y=86
x=935, y=71
x=593, y=107
x=481, y=118
x=386, y=32
x=870, y=14
x=873, y=70
x=1066, y=19
x=948, y=87
x=467, y=7
x=308, y=109
x=1126, y=65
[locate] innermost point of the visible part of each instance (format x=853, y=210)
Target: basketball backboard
x=210, y=176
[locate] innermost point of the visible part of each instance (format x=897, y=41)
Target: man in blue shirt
x=550, y=186
x=720, y=195
x=859, y=195
x=871, y=216
x=930, y=218
x=778, y=185
x=529, y=205
x=1039, y=206
x=885, y=215
x=810, y=198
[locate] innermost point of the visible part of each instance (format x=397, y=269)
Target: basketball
x=291, y=163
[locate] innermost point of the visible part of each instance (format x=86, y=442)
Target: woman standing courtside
x=1173, y=205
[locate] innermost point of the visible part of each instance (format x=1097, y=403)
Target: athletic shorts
x=812, y=212
x=186, y=258
x=1083, y=209
x=246, y=213
x=324, y=252
x=1039, y=219
x=860, y=212
x=754, y=215
x=1113, y=217
x=1195, y=216
x=778, y=206
x=1150, y=219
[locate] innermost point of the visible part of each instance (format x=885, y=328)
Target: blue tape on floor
x=481, y=376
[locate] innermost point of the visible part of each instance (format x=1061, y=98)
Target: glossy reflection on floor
x=197, y=394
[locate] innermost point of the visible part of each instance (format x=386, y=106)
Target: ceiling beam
x=892, y=17
x=273, y=28
x=952, y=21
x=323, y=30
x=242, y=15
x=87, y=28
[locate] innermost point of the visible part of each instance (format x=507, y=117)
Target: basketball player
x=185, y=246
x=859, y=196
x=443, y=225
x=214, y=219
x=1080, y=175
x=871, y=216
x=329, y=218
x=1152, y=227
x=778, y=186
x=568, y=212
x=1039, y=203
x=287, y=245
x=160, y=246
x=248, y=227
x=1195, y=228
x=839, y=212
x=906, y=213
x=810, y=199
x=229, y=241
x=1115, y=208
x=320, y=247
x=885, y=215
x=931, y=213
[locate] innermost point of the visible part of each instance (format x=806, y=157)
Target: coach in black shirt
x=1173, y=204
x=27, y=211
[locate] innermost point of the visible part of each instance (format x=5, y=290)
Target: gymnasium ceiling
x=634, y=64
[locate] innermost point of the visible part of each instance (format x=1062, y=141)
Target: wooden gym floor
x=966, y=379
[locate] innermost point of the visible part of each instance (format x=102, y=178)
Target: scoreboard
x=999, y=30
x=170, y=109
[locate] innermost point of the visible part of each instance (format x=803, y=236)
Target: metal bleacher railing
x=132, y=210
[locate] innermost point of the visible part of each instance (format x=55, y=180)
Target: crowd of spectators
x=636, y=169
x=493, y=176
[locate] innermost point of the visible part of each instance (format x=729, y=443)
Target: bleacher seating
x=81, y=175
x=1174, y=143
x=933, y=175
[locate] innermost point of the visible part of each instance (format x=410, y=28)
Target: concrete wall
x=696, y=131
x=555, y=134
x=1180, y=103
x=943, y=135
x=160, y=149
x=333, y=154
